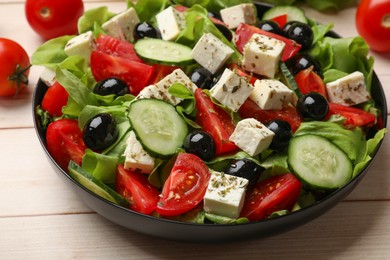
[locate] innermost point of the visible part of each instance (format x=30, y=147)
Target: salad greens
x=320, y=5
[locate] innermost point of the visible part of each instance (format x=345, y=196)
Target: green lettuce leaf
x=330, y=5
x=51, y=53
x=102, y=167
x=97, y=15
x=211, y=5
x=147, y=9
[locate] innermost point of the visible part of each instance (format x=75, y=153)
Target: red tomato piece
x=135, y=74
x=373, y=23
x=65, y=142
x=215, y=121
x=185, y=187
x=271, y=195
x=354, y=116
x=116, y=47
x=55, y=98
x=281, y=20
x=160, y=72
x=245, y=31
x=308, y=81
x=250, y=109
x=249, y=76
x=54, y=18
x=135, y=187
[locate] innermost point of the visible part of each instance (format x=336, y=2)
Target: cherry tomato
x=65, y=142
x=135, y=187
x=15, y=65
x=215, y=121
x=54, y=18
x=271, y=195
x=354, y=116
x=244, y=32
x=308, y=81
x=373, y=23
x=135, y=74
x=250, y=109
x=116, y=47
x=185, y=187
x=55, y=98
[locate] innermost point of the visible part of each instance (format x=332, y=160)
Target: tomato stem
x=386, y=21
x=20, y=76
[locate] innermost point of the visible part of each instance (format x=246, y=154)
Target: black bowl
x=206, y=232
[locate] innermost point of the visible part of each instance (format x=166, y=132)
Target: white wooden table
x=40, y=218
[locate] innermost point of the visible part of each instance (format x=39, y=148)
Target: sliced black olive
x=202, y=78
x=145, y=29
x=301, y=33
x=225, y=31
x=312, y=106
x=270, y=26
x=283, y=133
x=201, y=144
x=245, y=168
x=304, y=61
x=100, y=132
x=111, y=86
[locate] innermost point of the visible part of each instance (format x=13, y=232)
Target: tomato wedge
x=245, y=31
x=160, y=72
x=116, y=47
x=308, y=81
x=55, y=98
x=135, y=74
x=215, y=121
x=250, y=109
x=65, y=142
x=354, y=116
x=185, y=187
x=271, y=195
x=135, y=187
x=281, y=20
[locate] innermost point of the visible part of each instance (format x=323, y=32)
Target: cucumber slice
x=318, y=162
x=293, y=13
x=158, y=126
x=164, y=52
x=95, y=185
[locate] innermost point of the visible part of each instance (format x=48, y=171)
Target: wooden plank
x=350, y=231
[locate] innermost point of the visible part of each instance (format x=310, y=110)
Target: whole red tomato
x=373, y=23
x=15, y=65
x=54, y=18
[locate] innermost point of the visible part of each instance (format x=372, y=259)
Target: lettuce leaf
x=51, y=53
x=100, y=166
x=147, y=9
x=211, y=5
x=94, y=16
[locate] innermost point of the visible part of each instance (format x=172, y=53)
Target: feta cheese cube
x=349, y=90
x=231, y=90
x=271, y=94
x=136, y=158
x=82, y=45
x=170, y=22
x=160, y=89
x=262, y=55
x=122, y=25
x=225, y=195
x=211, y=53
x=48, y=76
x=235, y=15
x=251, y=136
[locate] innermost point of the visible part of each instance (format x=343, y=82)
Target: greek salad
x=208, y=113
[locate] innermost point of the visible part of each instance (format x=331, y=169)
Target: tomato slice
x=160, y=72
x=250, y=109
x=135, y=74
x=271, y=195
x=135, y=187
x=354, y=116
x=65, y=142
x=281, y=20
x=215, y=121
x=55, y=98
x=185, y=187
x=308, y=81
x=245, y=31
x=116, y=47
x=249, y=77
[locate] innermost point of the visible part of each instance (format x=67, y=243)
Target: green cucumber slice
x=95, y=185
x=318, y=162
x=164, y=52
x=293, y=13
x=158, y=126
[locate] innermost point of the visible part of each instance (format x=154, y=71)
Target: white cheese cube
x=225, y=195
x=160, y=89
x=48, y=76
x=82, y=45
x=271, y=94
x=170, y=22
x=136, y=158
x=235, y=15
x=349, y=90
x=251, y=136
x=211, y=53
x=231, y=90
x=262, y=55
x=122, y=25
